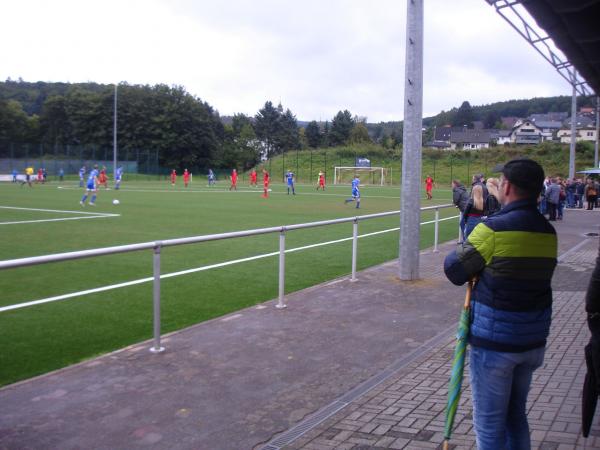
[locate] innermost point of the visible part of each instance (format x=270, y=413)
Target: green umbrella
x=458, y=366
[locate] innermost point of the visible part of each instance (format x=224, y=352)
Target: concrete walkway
x=346, y=365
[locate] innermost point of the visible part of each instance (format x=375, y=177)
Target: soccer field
x=48, y=219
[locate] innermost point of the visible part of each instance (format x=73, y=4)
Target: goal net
x=368, y=175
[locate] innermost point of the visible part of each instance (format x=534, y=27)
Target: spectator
x=571, y=189
x=552, y=198
x=562, y=197
x=460, y=198
x=492, y=204
x=474, y=209
x=478, y=180
x=579, y=188
x=591, y=194
x=513, y=255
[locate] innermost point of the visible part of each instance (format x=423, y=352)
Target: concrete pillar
x=411, y=154
x=597, y=132
x=573, y=131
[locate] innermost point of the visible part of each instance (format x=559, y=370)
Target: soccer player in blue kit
x=81, y=176
x=118, y=177
x=289, y=176
x=92, y=186
x=355, y=191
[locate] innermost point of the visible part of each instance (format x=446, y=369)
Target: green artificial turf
x=42, y=338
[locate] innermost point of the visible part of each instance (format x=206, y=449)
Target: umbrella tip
x=446, y=444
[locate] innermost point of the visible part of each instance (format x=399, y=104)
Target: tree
x=313, y=134
x=239, y=121
x=341, y=127
x=491, y=119
x=267, y=124
x=464, y=116
x=359, y=134
x=288, y=137
x=15, y=125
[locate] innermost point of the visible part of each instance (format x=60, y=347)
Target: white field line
x=197, y=269
x=88, y=215
x=61, y=211
x=58, y=220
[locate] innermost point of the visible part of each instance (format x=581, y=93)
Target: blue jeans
x=500, y=383
x=471, y=223
x=570, y=199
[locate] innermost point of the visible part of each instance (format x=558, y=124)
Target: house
x=470, y=139
x=549, y=128
x=441, y=145
x=509, y=122
x=442, y=133
x=549, y=117
x=503, y=137
x=526, y=132
x=583, y=134
x=581, y=121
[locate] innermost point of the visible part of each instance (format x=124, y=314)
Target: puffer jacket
x=513, y=253
x=460, y=197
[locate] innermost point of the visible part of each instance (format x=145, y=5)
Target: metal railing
x=157, y=246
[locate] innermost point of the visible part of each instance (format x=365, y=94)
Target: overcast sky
x=315, y=56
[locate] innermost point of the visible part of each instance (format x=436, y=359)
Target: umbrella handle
x=446, y=445
x=469, y=291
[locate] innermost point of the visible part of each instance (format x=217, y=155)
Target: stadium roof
x=573, y=27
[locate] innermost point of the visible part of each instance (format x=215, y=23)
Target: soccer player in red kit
x=186, y=178
x=265, y=184
x=321, y=181
x=428, y=187
x=253, y=178
x=40, y=176
x=233, y=180
x=102, y=179
x=173, y=177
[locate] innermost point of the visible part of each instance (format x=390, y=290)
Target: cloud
x=315, y=57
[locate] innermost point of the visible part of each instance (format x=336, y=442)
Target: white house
x=470, y=139
x=527, y=132
x=503, y=137
x=583, y=134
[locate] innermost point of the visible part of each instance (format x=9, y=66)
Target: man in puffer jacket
x=513, y=256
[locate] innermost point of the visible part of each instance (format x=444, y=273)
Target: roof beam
x=515, y=14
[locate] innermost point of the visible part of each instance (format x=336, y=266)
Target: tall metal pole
x=115, y=135
x=573, y=130
x=412, y=140
x=597, y=133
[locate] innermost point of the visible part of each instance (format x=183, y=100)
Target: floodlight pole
x=573, y=130
x=412, y=141
x=115, y=135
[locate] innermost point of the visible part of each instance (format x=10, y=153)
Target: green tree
x=359, y=134
x=313, y=134
x=341, y=127
x=267, y=124
x=491, y=119
x=464, y=116
x=288, y=138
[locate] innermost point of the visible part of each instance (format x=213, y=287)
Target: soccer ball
x=116, y=202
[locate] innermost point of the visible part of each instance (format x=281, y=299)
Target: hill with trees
x=187, y=131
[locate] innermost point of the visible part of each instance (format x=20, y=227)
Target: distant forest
x=188, y=132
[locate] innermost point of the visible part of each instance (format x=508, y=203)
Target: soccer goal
x=368, y=175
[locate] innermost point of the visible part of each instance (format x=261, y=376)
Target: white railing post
x=436, y=230
x=354, y=247
x=280, y=302
x=156, y=348
x=460, y=230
